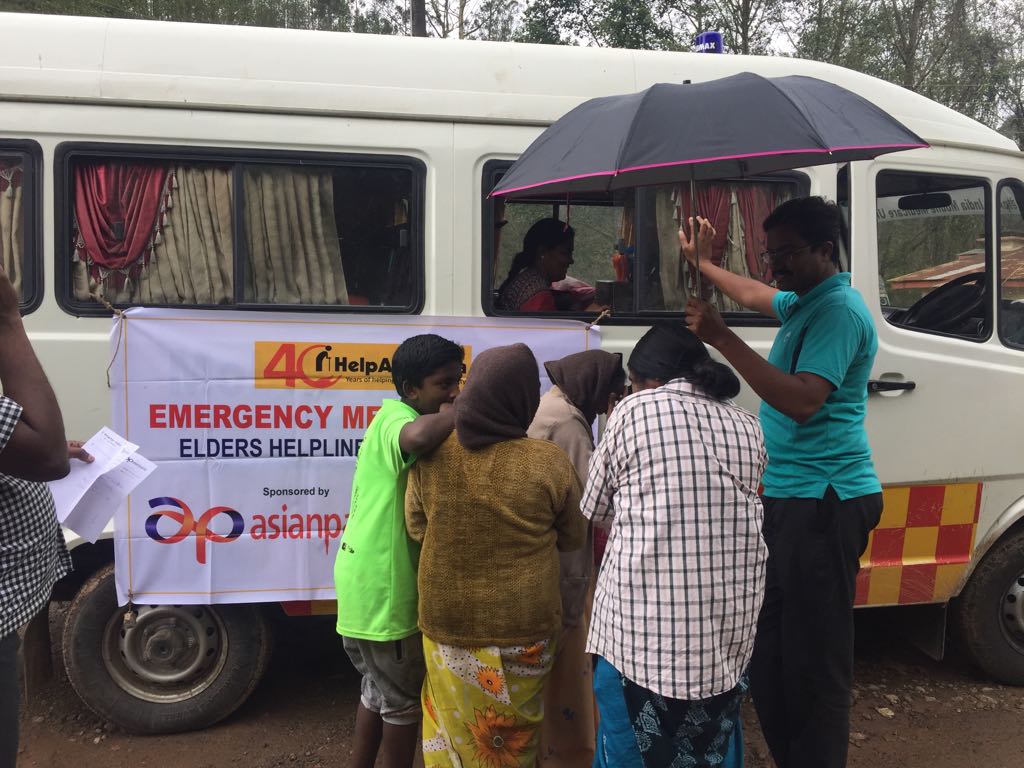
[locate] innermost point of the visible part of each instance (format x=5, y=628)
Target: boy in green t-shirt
x=375, y=571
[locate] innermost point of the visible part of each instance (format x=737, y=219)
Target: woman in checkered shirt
x=675, y=477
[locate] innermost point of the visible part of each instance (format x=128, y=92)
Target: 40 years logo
x=180, y=513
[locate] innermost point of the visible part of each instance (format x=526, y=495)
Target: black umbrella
x=736, y=126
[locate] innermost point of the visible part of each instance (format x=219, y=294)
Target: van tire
x=176, y=668
x=990, y=612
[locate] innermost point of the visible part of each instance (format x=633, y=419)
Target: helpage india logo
x=276, y=526
x=313, y=365
x=322, y=365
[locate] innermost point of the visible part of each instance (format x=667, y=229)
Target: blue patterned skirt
x=640, y=729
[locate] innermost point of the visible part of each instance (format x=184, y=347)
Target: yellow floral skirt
x=483, y=707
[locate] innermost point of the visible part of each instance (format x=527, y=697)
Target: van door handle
x=875, y=385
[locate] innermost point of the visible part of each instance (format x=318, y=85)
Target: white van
x=200, y=166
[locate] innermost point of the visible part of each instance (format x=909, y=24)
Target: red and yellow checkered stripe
x=917, y=554
x=922, y=545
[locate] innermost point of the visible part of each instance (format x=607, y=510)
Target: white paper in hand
x=110, y=453
x=92, y=513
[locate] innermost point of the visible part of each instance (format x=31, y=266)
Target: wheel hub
x=1013, y=612
x=167, y=646
x=169, y=653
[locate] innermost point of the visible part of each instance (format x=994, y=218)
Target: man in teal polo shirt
x=821, y=494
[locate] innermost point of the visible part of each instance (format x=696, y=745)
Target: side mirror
x=926, y=201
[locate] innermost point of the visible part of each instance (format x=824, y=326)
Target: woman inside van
x=585, y=384
x=675, y=477
x=492, y=509
x=545, y=259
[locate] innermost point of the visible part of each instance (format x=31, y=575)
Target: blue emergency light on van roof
x=709, y=42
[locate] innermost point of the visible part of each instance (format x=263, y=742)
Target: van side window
x=1011, y=263
x=19, y=216
x=154, y=232
x=599, y=243
x=933, y=253
x=625, y=247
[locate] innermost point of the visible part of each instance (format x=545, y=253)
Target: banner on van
x=254, y=421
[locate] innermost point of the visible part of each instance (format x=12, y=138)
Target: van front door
x=945, y=413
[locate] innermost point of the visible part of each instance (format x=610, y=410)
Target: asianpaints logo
x=180, y=513
x=284, y=525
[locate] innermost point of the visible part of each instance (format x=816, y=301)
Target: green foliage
x=546, y=22
x=626, y=24
x=497, y=20
x=380, y=16
x=828, y=30
x=961, y=53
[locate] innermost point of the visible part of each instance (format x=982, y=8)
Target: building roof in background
x=968, y=262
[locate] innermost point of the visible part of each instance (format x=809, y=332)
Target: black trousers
x=9, y=695
x=801, y=673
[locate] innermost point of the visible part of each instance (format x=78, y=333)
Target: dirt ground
x=909, y=712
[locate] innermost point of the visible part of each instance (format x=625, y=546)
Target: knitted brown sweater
x=491, y=522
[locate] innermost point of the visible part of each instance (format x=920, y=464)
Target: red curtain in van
x=119, y=210
x=756, y=202
x=713, y=202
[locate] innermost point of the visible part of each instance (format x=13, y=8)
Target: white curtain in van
x=11, y=235
x=670, y=262
x=292, y=237
x=733, y=259
x=192, y=253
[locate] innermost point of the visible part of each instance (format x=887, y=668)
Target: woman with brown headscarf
x=585, y=384
x=492, y=509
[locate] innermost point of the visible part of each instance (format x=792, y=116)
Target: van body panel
x=64, y=58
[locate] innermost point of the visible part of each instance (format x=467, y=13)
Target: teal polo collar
x=838, y=280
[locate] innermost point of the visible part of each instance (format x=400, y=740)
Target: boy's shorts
x=393, y=672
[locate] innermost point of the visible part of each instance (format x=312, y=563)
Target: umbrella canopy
x=736, y=126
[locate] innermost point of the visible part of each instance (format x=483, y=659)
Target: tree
x=628, y=24
x=609, y=23
x=748, y=26
x=418, y=17
x=450, y=18
x=842, y=32
x=1011, y=85
x=381, y=16
x=543, y=22
x=971, y=75
x=953, y=51
x=497, y=20
x=921, y=33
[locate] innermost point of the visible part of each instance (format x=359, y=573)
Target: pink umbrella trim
x=814, y=150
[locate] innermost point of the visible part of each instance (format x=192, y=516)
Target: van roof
x=206, y=66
